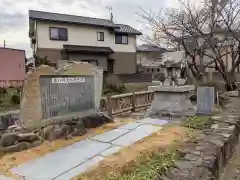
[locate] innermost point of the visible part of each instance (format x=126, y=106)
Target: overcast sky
x=14, y=15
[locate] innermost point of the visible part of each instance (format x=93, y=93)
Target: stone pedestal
x=171, y=101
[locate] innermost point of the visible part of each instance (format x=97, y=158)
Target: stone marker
x=62, y=95
x=205, y=100
x=171, y=101
x=51, y=93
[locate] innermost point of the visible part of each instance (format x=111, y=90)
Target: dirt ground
x=9, y=161
x=127, y=157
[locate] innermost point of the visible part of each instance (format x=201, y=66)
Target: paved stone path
x=70, y=161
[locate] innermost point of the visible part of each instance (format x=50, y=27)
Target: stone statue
x=162, y=78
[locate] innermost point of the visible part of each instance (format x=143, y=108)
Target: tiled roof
x=47, y=16
x=39, y=15
x=150, y=48
x=122, y=28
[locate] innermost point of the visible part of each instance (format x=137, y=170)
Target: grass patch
x=149, y=167
x=198, y=122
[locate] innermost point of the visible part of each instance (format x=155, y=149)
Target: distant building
x=12, y=67
x=149, y=58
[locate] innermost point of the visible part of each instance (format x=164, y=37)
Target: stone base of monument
x=171, y=101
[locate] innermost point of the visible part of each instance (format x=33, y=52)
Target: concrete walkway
x=70, y=161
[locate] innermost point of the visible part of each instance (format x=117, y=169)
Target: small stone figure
x=174, y=81
x=162, y=78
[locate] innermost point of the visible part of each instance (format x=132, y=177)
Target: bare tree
x=207, y=34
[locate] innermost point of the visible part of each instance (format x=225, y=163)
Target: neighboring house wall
x=12, y=68
x=101, y=60
x=124, y=54
x=83, y=36
x=125, y=63
x=148, y=55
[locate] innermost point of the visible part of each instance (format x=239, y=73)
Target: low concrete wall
x=204, y=157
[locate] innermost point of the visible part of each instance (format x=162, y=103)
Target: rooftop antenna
x=111, y=13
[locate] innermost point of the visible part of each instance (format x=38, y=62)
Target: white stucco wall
x=82, y=35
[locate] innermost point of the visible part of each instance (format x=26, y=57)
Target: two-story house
x=76, y=38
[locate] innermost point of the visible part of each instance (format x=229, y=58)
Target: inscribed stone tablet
x=31, y=107
x=61, y=95
x=205, y=100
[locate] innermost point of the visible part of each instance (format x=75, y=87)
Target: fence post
x=133, y=102
x=238, y=89
x=109, y=105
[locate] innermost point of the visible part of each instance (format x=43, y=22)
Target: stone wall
x=204, y=157
x=17, y=138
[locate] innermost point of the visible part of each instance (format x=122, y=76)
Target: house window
x=100, y=36
x=94, y=62
x=121, y=39
x=60, y=34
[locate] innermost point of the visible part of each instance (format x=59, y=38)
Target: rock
x=188, y=171
x=29, y=137
x=78, y=132
x=23, y=145
x=48, y=132
x=36, y=143
x=14, y=128
x=8, y=139
x=96, y=120
x=15, y=148
x=61, y=131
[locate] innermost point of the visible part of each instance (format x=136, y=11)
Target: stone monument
x=171, y=97
x=48, y=93
x=205, y=100
x=171, y=101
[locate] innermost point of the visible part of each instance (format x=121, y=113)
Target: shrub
x=113, y=79
x=3, y=92
x=15, y=99
x=113, y=85
x=114, y=89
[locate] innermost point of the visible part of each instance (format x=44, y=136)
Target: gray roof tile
x=47, y=16
x=150, y=48
x=122, y=28
x=39, y=15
